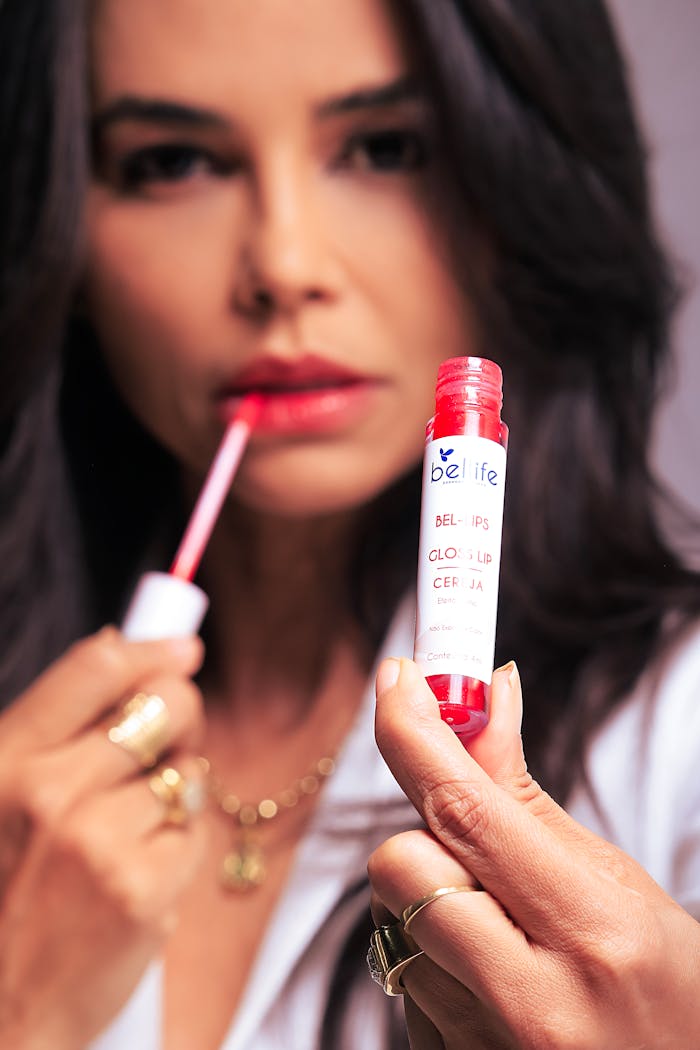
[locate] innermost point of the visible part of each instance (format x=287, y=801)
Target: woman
x=322, y=202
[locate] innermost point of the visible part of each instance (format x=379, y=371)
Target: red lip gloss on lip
x=307, y=394
x=169, y=604
x=460, y=540
x=312, y=411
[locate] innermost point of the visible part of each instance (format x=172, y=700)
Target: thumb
x=498, y=747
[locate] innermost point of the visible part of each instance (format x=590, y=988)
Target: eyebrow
x=405, y=89
x=155, y=111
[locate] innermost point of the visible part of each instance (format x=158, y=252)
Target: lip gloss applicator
x=169, y=604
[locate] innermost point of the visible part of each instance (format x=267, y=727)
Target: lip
x=306, y=395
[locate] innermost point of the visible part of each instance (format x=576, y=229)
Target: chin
x=299, y=503
x=309, y=486
x=302, y=499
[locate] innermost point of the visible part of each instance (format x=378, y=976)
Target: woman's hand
x=564, y=941
x=90, y=874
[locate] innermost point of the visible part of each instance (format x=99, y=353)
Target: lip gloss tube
x=460, y=540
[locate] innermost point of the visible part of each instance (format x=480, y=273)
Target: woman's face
x=259, y=218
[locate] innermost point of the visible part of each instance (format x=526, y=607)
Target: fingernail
x=387, y=675
x=189, y=650
x=509, y=671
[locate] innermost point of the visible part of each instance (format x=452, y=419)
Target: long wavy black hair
x=542, y=162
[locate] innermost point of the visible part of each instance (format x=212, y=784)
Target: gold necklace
x=244, y=866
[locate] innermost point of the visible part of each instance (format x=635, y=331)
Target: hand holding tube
x=566, y=940
x=92, y=868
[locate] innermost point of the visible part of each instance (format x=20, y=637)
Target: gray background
x=661, y=40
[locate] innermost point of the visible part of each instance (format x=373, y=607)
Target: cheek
x=131, y=299
x=145, y=280
x=138, y=303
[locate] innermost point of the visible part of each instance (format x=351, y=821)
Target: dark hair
x=42, y=175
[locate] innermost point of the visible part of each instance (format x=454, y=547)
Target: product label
x=459, y=556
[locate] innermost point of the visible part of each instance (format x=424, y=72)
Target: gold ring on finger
x=391, y=949
x=143, y=729
x=181, y=797
x=409, y=913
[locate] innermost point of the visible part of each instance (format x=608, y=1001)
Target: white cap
x=164, y=606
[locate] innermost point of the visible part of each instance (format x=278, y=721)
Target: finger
x=406, y=867
x=467, y=934
x=182, y=799
x=141, y=862
x=51, y=783
x=102, y=761
x=441, y=1008
x=134, y=806
x=91, y=677
x=381, y=916
x=176, y=855
x=403, y=869
x=516, y=857
x=164, y=867
x=422, y=1033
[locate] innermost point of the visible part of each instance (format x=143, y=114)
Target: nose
x=284, y=259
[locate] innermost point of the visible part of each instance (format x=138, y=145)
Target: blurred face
x=259, y=220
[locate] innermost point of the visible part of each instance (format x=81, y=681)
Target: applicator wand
x=168, y=604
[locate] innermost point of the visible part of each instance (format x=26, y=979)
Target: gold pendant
x=243, y=868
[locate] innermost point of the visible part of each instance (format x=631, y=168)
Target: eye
x=165, y=163
x=387, y=151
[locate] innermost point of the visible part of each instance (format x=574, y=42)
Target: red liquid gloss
x=460, y=543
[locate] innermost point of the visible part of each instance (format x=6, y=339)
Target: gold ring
x=181, y=798
x=409, y=913
x=391, y=949
x=143, y=728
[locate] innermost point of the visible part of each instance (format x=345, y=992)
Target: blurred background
x=661, y=40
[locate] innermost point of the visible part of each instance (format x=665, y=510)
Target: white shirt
x=644, y=768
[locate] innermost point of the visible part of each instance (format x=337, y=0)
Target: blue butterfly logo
x=444, y=453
